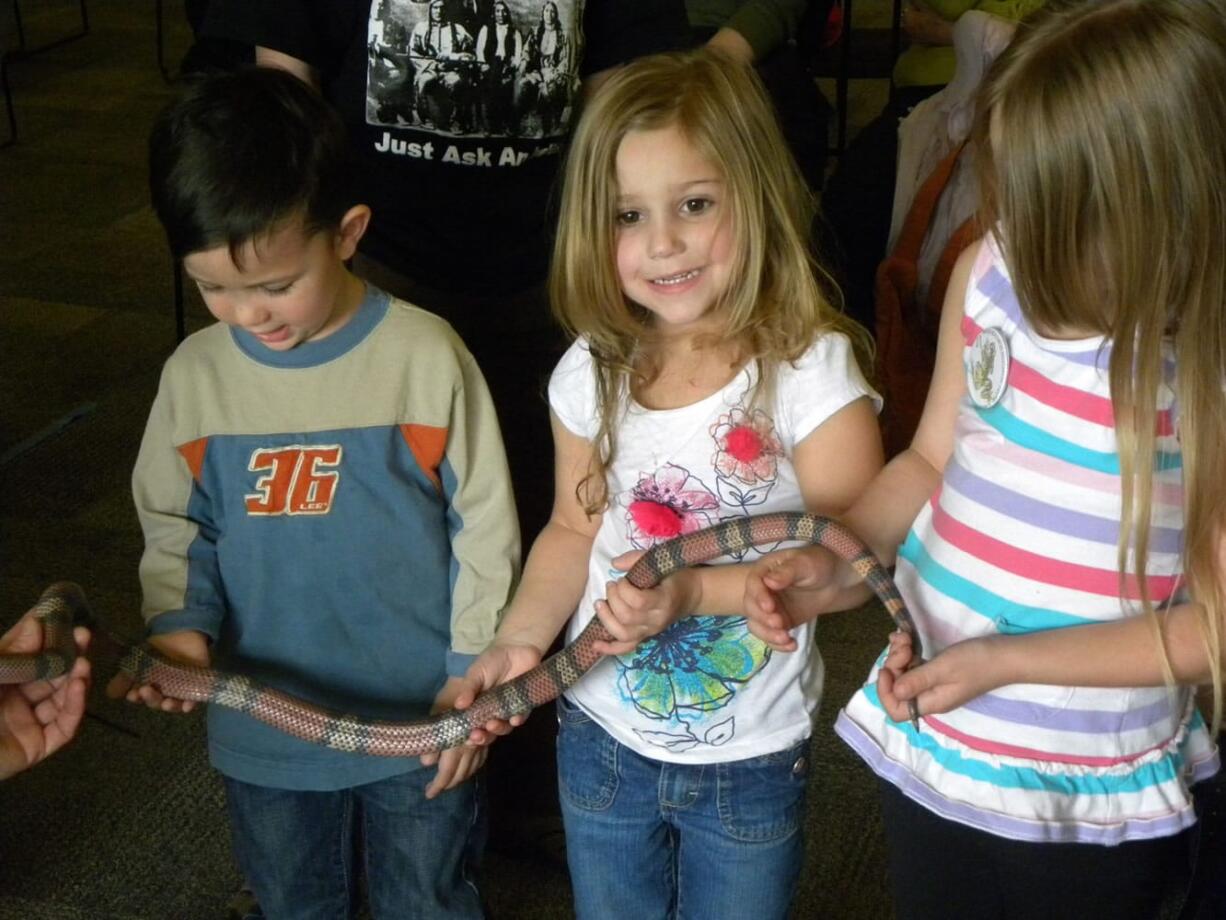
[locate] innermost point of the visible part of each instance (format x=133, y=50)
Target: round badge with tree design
x=987, y=368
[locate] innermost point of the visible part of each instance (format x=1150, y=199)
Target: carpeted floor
x=128, y=822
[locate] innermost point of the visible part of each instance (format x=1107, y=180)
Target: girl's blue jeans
x=649, y=840
x=297, y=849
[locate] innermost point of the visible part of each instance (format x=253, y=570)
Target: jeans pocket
x=763, y=798
x=570, y=713
x=587, y=760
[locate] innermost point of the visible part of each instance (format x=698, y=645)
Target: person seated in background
x=764, y=33
x=929, y=62
x=936, y=200
x=858, y=199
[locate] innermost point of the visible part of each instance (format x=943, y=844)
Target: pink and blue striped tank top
x=1021, y=536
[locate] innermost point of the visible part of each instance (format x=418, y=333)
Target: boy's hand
x=634, y=614
x=39, y=717
x=787, y=588
x=187, y=646
x=502, y=661
x=457, y=764
x=956, y=676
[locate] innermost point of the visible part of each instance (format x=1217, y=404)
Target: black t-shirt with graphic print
x=458, y=111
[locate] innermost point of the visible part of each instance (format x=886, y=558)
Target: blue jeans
x=297, y=848
x=649, y=840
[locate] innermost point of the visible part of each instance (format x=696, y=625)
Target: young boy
x=325, y=503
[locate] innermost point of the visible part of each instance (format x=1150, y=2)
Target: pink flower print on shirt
x=666, y=504
x=746, y=447
x=746, y=459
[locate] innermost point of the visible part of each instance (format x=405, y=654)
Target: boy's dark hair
x=239, y=152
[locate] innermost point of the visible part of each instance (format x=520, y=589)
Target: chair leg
x=896, y=32
x=8, y=103
x=21, y=32
x=161, y=40
x=895, y=49
x=842, y=81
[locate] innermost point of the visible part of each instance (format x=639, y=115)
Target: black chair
x=8, y=100
x=859, y=54
x=161, y=42
x=21, y=31
x=11, y=24
x=8, y=31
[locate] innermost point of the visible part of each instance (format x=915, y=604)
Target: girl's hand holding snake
x=957, y=675
x=455, y=765
x=186, y=646
x=502, y=661
x=787, y=588
x=633, y=614
x=39, y=717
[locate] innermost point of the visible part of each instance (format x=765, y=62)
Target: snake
x=57, y=610
x=516, y=697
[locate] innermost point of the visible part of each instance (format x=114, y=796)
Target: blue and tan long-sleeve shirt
x=337, y=518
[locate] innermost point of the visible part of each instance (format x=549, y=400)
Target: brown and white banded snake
x=516, y=697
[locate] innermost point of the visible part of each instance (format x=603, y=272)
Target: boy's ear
x=351, y=230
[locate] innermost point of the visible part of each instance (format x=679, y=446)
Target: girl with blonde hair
x=1061, y=509
x=710, y=378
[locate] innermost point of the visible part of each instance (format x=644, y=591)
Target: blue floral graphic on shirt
x=694, y=668
x=691, y=670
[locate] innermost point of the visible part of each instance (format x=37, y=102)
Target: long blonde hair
x=778, y=299
x=1102, y=157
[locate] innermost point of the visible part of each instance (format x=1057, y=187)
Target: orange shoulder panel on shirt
x=428, y=445
x=193, y=453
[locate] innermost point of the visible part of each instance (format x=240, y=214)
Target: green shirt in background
x=765, y=24
x=933, y=65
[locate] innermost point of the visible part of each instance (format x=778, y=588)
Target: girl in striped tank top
x=1057, y=523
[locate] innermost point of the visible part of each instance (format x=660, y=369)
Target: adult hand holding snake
x=40, y=715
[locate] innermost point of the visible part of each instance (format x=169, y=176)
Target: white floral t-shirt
x=687, y=696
